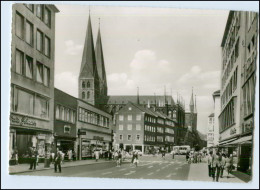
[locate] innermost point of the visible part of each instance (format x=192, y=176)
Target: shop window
x=41, y=107
x=29, y=33
x=19, y=25
x=29, y=67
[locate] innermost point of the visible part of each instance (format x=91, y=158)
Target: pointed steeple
x=138, y=101
x=88, y=64
x=192, y=102
x=101, y=64
x=195, y=106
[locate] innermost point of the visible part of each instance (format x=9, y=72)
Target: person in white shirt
x=209, y=161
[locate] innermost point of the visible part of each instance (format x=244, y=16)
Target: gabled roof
x=88, y=64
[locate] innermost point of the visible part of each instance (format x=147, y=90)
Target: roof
x=229, y=20
x=143, y=99
x=54, y=8
x=100, y=58
x=211, y=115
x=88, y=66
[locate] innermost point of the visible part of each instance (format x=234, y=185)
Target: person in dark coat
x=33, y=155
x=58, y=158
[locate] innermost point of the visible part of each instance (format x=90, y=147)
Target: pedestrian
x=215, y=166
x=33, y=155
x=229, y=164
x=116, y=157
x=96, y=154
x=209, y=161
x=222, y=165
x=218, y=166
x=119, y=159
x=57, y=160
x=62, y=156
x=70, y=155
x=15, y=153
x=173, y=154
x=187, y=156
x=163, y=154
x=135, y=156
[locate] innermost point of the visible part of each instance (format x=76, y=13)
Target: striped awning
x=227, y=142
x=243, y=140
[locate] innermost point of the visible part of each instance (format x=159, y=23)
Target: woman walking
x=96, y=155
x=135, y=157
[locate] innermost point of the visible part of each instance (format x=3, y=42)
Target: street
x=149, y=167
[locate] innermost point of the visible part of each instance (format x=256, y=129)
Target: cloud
x=72, y=48
x=196, y=77
x=67, y=82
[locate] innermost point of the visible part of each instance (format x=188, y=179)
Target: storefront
x=26, y=132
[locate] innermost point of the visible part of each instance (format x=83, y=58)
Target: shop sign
x=233, y=131
x=41, y=136
x=23, y=121
x=248, y=127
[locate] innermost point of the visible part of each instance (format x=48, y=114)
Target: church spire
x=195, y=106
x=101, y=65
x=192, y=102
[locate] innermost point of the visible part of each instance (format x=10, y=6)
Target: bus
x=184, y=149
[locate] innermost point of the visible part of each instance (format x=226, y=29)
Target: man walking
x=57, y=162
x=209, y=161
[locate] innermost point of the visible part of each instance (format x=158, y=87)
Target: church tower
x=88, y=80
x=191, y=103
x=101, y=70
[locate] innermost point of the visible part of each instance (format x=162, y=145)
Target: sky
x=146, y=47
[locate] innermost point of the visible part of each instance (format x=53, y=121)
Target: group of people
x=217, y=163
x=194, y=157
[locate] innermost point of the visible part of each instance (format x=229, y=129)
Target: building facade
x=210, y=131
x=239, y=53
x=65, y=130
x=140, y=128
x=216, y=99
x=32, y=78
x=94, y=129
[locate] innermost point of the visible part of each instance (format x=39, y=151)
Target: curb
x=26, y=171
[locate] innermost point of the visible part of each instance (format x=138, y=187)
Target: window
x=138, y=137
x=138, y=117
x=88, y=95
x=47, y=17
x=138, y=127
x=121, y=137
x=47, y=47
x=41, y=107
x=129, y=127
x=24, y=103
x=62, y=113
x=121, y=127
x=83, y=95
x=39, y=11
x=57, y=112
x=19, y=61
x=29, y=67
x=39, y=40
x=67, y=129
x=129, y=137
x=88, y=84
x=29, y=33
x=39, y=72
x=46, y=74
x=121, y=117
x=19, y=25
x=129, y=117
x=29, y=6
x=83, y=84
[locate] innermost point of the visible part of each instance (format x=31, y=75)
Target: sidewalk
x=199, y=172
x=21, y=168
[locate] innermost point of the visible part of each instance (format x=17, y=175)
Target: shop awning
x=243, y=140
x=227, y=141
